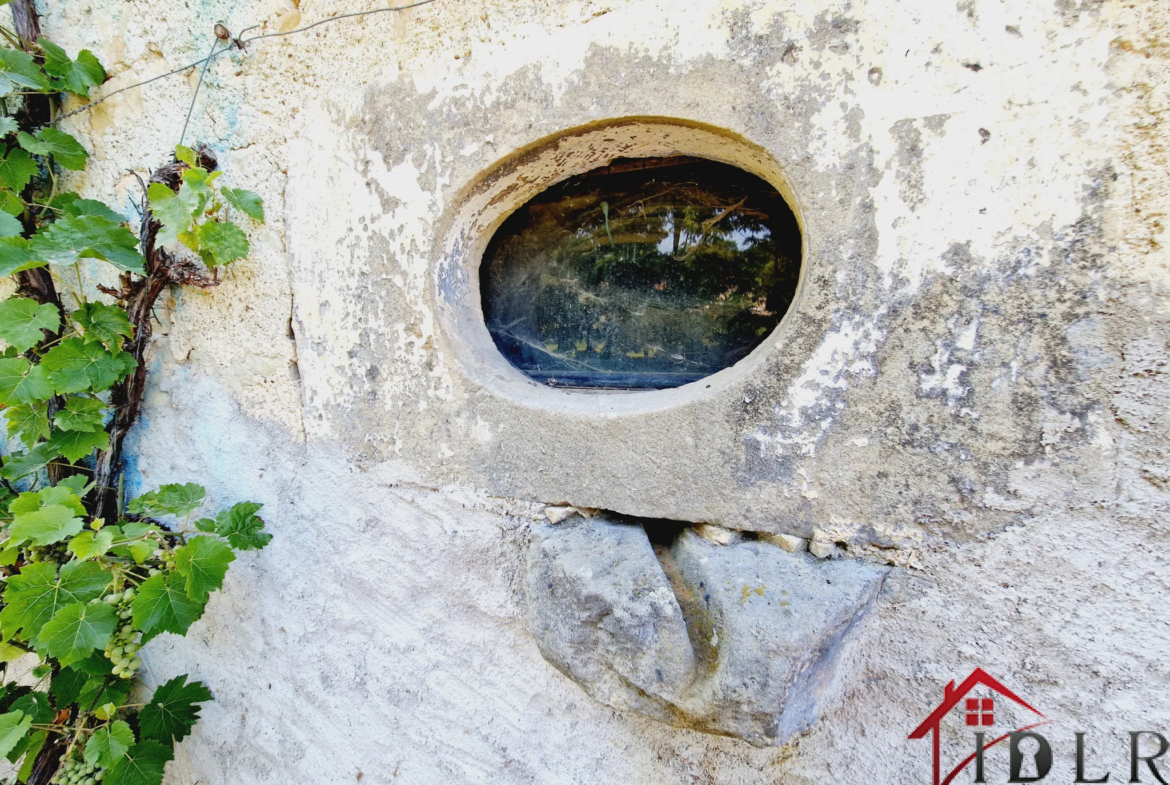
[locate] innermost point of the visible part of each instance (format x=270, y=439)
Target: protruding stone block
x=603, y=613
x=739, y=640
x=779, y=620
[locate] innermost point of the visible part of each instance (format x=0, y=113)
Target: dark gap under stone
x=660, y=531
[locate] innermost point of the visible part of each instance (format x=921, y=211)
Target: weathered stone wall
x=970, y=387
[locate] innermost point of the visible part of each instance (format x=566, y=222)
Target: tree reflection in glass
x=648, y=273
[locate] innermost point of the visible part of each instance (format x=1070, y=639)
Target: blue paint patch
x=131, y=476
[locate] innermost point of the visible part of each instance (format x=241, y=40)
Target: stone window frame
x=483, y=205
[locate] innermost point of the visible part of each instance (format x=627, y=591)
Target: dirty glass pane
x=648, y=273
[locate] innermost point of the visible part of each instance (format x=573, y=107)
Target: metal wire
x=203, y=73
x=239, y=42
x=331, y=19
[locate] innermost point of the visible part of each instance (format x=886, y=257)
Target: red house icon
x=979, y=712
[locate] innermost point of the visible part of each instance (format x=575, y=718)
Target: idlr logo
x=1029, y=753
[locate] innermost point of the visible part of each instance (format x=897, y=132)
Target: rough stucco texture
x=972, y=387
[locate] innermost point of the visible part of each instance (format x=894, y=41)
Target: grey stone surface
x=773, y=623
x=603, y=613
x=738, y=640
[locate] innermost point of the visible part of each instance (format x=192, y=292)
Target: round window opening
x=645, y=274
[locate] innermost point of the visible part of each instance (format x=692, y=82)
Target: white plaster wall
x=379, y=638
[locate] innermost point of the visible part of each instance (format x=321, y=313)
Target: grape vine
x=89, y=577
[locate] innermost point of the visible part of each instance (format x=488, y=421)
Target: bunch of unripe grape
x=166, y=557
x=122, y=650
x=76, y=771
x=35, y=554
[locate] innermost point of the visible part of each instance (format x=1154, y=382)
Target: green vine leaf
x=76, y=630
x=78, y=483
x=142, y=546
x=222, y=243
x=11, y=203
x=171, y=499
x=28, y=741
x=31, y=501
x=30, y=600
x=10, y=652
x=174, y=211
x=22, y=464
x=74, y=365
x=173, y=710
x=190, y=238
x=185, y=155
x=65, y=150
x=9, y=226
x=36, y=705
x=196, y=191
x=34, y=596
x=51, y=523
x=13, y=727
x=7, y=126
x=22, y=382
x=76, y=76
x=22, y=320
x=106, y=323
x=181, y=499
x=28, y=422
x=15, y=256
x=109, y=744
x=17, y=169
x=73, y=237
x=241, y=527
x=35, y=742
x=100, y=690
x=75, y=445
x=81, y=414
x=162, y=605
x=72, y=204
x=247, y=202
x=18, y=69
x=203, y=561
x=144, y=764
x=91, y=545
x=66, y=686
x=200, y=180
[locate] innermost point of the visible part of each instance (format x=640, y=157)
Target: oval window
x=645, y=274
